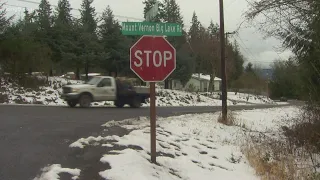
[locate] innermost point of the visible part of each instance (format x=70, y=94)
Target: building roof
x=204, y=77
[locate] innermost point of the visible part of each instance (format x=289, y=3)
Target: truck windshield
x=94, y=81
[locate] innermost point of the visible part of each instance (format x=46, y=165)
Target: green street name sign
x=151, y=28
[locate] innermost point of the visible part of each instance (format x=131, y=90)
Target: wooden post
x=153, y=121
x=223, y=65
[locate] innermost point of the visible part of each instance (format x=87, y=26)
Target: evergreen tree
x=44, y=34
x=114, y=43
x=88, y=15
x=213, y=30
x=238, y=61
x=88, y=39
x=172, y=14
x=148, y=5
x=62, y=33
x=194, y=31
x=63, y=14
x=44, y=16
x=4, y=20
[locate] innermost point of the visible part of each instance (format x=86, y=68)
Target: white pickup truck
x=105, y=88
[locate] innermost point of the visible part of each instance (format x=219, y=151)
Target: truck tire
x=72, y=104
x=119, y=104
x=136, y=102
x=85, y=100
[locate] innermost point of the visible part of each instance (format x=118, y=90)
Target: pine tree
x=213, y=30
x=89, y=39
x=238, y=61
x=88, y=15
x=148, y=5
x=44, y=16
x=194, y=39
x=111, y=37
x=194, y=29
x=172, y=14
x=63, y=33
x=63, y=13
x=4, y=20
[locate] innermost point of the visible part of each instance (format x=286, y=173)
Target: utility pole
x=223, y=65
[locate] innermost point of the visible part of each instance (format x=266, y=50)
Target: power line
x=246, y=48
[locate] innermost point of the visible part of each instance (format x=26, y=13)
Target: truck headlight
x=74, y=90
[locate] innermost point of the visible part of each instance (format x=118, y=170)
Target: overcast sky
x=253, y=46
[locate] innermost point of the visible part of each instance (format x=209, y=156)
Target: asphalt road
x=33, y=136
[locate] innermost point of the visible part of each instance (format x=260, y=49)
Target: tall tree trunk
x=166, y=84
x=86, y=69
x=51, y=72
x=78, y=73
x=211, y=83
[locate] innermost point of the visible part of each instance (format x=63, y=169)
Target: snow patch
x=193, y=146
x=50, y=95
x=52, y=172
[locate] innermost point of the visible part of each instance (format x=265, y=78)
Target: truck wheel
x=118, y=104
x=72, y=103
x=85, y=100
x=136, y=103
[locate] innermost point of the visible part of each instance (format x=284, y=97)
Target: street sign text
x=151, y=28
x=152, y=58
x=157, y=58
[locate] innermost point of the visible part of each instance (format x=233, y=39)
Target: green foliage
x=250, y=82
x=114, y=56
x=19, y=53
x=286, y=80
x=63, y=17
x=184, y=69
x=148, y=4
x=51, y=39
x=238, y=61
x=4, y=19
x=300, y=32
x=88, y=16
x=44, y=16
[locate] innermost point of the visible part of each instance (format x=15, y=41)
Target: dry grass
x=231, y=119
x=268, y=168
x=274, y=159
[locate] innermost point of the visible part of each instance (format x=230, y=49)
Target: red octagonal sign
x=152, y=58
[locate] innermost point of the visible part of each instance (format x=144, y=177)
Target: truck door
x=106, y=90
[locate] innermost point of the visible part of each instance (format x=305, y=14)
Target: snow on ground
x=249, y=98
x=188, y=146
x=52, y=172
x=50, y=95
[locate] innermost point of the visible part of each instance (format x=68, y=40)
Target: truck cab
x=104, y=88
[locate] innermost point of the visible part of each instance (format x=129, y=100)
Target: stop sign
x=152, y=58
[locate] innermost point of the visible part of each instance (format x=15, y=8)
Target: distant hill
x=266, y=73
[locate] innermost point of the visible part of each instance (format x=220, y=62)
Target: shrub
x=4, y=98
x=32, y=82
x=231, y=119
x=294, y=156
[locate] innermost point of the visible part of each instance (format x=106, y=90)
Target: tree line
x=296, y=24
x=51, y=40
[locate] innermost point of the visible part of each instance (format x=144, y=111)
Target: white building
x=198, y=82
